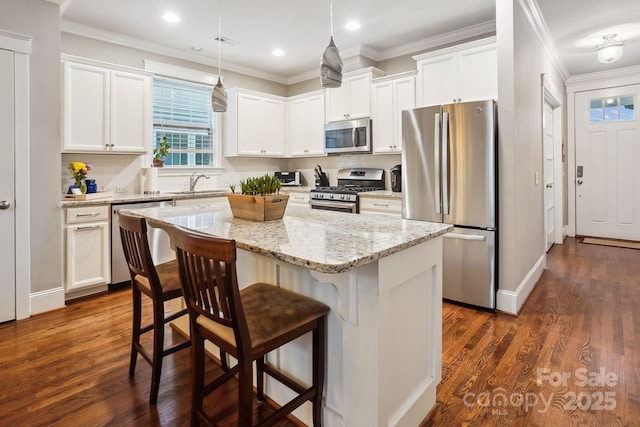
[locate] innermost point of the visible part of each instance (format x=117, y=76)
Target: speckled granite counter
x=324, y=241
x=141, y=198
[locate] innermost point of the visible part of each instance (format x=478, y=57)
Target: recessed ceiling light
x=171, y=17
x=196, y=48
x=278, y=52
x=352, y=26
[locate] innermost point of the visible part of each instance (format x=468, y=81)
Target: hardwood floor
x=69, y=367
x=582, y=319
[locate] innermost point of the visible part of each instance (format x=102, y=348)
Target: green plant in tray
x=261, y=185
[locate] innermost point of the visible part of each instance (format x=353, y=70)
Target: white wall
x=40, y=20
x=521, y=61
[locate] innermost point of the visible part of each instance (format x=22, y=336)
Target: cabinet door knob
x=4, y=205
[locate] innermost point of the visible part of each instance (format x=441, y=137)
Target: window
x=182, y=113
x=612, y=109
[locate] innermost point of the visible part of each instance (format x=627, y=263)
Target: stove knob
x=331, y=196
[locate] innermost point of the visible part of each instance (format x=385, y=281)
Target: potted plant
x=260, y=199
x=160, y=152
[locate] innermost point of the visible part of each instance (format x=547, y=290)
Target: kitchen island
x=382, y=278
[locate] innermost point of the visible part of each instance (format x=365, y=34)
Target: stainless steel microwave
x=348, y=136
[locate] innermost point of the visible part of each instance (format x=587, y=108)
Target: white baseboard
x=48, y=300
x=565, y=232
x=511, y=301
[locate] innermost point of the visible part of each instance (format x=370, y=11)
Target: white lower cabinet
x=381, y=205
x=88, y=255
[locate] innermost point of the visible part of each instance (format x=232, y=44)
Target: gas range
x=344, y=196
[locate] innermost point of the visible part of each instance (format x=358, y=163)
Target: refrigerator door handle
x=465, y=237
x=445, y=163
x=436, y=161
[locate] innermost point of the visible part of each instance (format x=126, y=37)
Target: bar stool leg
x=135, y=330
x=318, y=369
x=260, y=378
x=245, y=393
x=158, y=348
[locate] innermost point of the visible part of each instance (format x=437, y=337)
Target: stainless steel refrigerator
x=449, y=175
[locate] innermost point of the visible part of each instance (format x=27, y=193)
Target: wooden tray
x=258, y=208
x=90, y=196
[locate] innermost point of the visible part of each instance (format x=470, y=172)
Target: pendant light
x=219, y=94
x=331, y=63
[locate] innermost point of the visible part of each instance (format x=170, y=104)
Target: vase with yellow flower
x=79, y=171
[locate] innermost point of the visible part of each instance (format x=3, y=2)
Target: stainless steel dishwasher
x=158, y=243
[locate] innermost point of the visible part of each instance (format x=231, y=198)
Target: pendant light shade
x=331, y=63
x=611, y=50
x=219, y=97
x=219, y=93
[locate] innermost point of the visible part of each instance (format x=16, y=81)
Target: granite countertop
x=325, y=241
x=141, y=198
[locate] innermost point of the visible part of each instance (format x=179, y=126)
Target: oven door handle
x=341, y=205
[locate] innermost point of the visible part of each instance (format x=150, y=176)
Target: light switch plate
x=536, y=177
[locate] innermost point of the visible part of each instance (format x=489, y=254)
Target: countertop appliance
x=289, y=178
x=158, y=243
x=344, y=196
x=449, y=162
x=396, y=178
x=348, y=136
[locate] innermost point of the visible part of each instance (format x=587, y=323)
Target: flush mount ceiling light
x=331, y=63
x=611, y=50
x=219, y=94
x=278, y=52
x=171, y=17
x=352, y=26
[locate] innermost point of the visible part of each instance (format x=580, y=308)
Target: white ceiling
x=301, y=29
x=577, y=27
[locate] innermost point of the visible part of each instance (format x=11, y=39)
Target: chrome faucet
x=193, y=180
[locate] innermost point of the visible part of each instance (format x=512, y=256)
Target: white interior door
x=607, y=174
x=549, y=188
x=7, y=191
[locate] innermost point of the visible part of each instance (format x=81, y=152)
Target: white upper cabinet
x=466, y=72
x=352, y=100
x=391, y=95
x=306, y=125
x=106, y=110
x=254, y=124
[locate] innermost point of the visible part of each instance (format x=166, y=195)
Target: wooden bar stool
x=160, y=283
x=246, y=324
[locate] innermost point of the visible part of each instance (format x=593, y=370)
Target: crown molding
x=533, y=14
x=131, y=42
x=616, y=77
x=474, y=31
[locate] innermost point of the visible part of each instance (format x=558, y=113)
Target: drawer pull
x=381, y=205
x=89, y=227
x=88, y=214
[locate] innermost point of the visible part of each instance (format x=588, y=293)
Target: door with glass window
x=607, y=175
